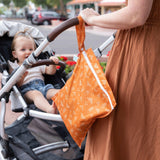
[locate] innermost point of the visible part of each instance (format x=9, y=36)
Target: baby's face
x=23, y=48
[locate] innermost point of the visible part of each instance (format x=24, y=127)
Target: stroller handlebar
x=50, y=62
x=60, y=28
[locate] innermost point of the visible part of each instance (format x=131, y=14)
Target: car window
x=51, y=14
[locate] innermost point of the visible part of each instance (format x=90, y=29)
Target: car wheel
x=33, y=21
x=46, y=23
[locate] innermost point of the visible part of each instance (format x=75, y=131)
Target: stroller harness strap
x=87, y=95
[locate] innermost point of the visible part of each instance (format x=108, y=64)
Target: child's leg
x=39, y=100
x=51, y=93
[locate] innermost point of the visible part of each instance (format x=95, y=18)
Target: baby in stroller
x=34, y=134
x=32, y=84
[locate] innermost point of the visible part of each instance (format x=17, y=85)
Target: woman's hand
x=88, y=14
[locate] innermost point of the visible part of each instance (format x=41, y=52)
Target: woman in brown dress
x=132, y=130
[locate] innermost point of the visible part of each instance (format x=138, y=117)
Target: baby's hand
x=54, y=59
x=51, y=69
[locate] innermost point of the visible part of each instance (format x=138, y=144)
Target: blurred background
x=47, y=14
x=65, y=8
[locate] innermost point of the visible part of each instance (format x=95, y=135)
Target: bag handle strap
x=80, y=31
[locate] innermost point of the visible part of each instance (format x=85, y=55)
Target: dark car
x=29, y=16
x=45, y=17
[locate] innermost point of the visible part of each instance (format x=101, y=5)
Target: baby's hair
x=25, y=34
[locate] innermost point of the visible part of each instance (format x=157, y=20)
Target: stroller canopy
x=11, y=28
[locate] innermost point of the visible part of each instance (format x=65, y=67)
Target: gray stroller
x=35, y=135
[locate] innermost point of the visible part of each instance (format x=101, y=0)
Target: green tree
x=43, y=3
x=60, y=4
x=51, y=3
x=6, y=2
x=18, y=3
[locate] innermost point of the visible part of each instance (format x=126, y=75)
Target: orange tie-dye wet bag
x=87, y=95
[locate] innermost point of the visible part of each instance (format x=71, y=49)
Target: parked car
x=29, y=16
x=45, y=17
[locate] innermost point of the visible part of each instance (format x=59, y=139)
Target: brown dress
x=132, y=130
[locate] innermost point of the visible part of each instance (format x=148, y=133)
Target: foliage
x=103, y=64
x=42, y=3
x=18, y=3
x=60, y=4
x=71, y=64
x=6, y=2
x=2, y=9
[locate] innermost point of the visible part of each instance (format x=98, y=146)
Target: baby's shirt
x=33, y=73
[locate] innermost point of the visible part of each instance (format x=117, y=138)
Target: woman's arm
x=133, y=15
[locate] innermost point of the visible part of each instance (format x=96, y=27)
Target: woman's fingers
x=87, y=14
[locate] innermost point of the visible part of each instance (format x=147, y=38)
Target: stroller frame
x=8, y=84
